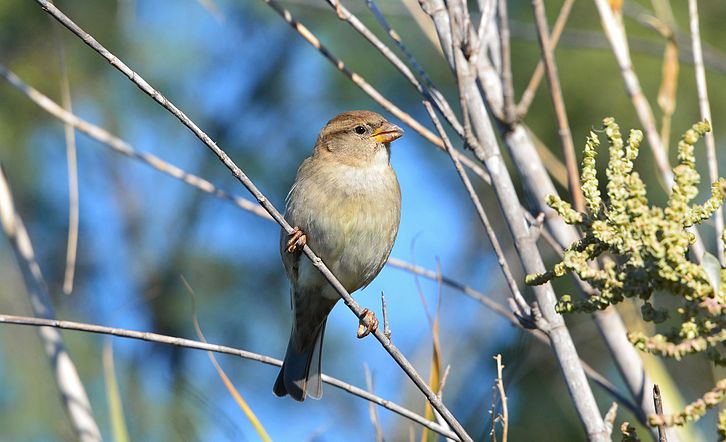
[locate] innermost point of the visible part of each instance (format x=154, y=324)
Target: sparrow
x=346, y=205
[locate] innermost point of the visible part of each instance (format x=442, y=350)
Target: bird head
x=358, y=138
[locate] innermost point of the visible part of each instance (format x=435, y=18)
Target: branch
x=568, y=147
x=615, y=32
x=71, y=159
x=522, y=308
x=198, y=345
x=534, y=81
x=72, y=393
x=705, y=108
x=436, y=403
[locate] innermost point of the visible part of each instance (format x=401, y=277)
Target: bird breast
x=350, y=215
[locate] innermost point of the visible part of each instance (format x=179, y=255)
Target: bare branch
x=534, y=81
x=501, y=259
x=615, y=32
x=658, y=402
x=502, y=398
x=568, y=147
x=70, y=134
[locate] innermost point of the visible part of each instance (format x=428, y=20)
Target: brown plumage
x=347, y=202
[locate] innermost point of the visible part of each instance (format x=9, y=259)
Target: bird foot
x=297, y=240
x=365, y=330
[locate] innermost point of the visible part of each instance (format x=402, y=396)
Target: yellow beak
x=387, y=133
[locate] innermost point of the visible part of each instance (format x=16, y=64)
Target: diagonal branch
x=401, y=360
x=568, y=147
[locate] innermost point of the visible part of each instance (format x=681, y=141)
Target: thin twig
x=363, y=84
x=386, y=326
x=534, y=81
x=705, y=108
x=120, y=146
x=609, y=418
x=198, y=345
x=72, y=393
x=444, y=378
x=262, y=199
x=658, y=402
x=427, y=89
x=72, y=164
x=523, y=309
x=372, y=410
x=502, y=398
x=558, y=102
x=506, y=73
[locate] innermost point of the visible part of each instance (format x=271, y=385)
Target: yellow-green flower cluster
x=646, y=246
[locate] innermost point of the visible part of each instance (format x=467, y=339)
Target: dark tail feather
x=300, y=375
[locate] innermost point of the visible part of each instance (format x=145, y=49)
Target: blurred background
x=263, y=93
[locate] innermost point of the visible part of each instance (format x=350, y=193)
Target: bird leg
x=297, y=240
x=365, y=330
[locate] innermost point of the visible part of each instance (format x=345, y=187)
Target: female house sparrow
x=346, y=205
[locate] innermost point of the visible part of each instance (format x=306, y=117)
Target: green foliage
x=647, y=244
x=643, y=250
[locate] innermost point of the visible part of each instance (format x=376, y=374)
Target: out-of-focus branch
x=506, y=62
x=529, y=93
x=563, y=125
x=71, y=159
x=705, y=108
x=400, y=359
x=615, y=31
x=198, y=345
x=120, y=146
x=72, y=393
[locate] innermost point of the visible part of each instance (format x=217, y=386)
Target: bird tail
x=301, y=371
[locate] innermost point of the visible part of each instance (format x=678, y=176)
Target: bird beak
x=387, y=133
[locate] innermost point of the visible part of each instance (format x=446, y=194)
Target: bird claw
x=365, y=330
x=297, y=240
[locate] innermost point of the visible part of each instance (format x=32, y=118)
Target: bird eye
x=360, y=130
